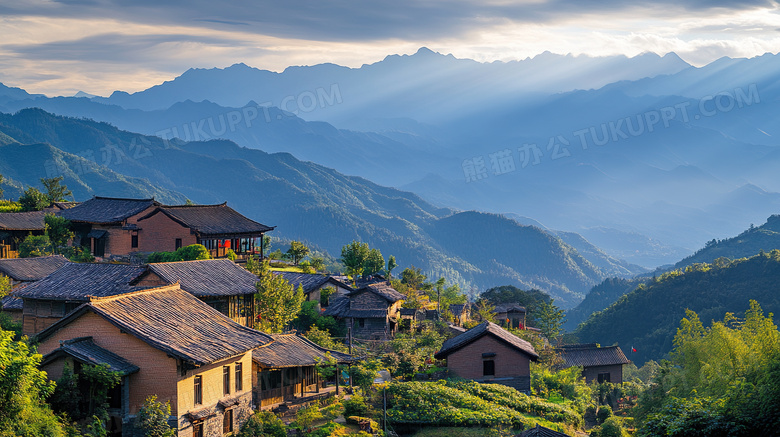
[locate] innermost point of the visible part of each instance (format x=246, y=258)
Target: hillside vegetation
x=647, y=317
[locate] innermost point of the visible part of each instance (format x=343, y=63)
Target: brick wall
x=158, y=375
x=467, y=361
x=615, y=373
x=159, y=233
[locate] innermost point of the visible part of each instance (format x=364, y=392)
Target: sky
x=98, y=46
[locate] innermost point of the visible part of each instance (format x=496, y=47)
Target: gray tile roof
x=31, y=269
x=211, y=277
x=22, y=221
x=293, y=350
x=211, y=219
x=382, y=290
x=106, y=209
x=589, y=355
x=173, y=321
x=11, y=303
x=76, y=281
x=481, y=330
x=86, y=351
x=310, y=281
x=338, y=307
x=458, y=309
x=509, y=307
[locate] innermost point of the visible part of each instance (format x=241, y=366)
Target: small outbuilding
x=490, y=354
x=600, y=364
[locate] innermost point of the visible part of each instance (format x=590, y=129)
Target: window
x=178, y=243
x=239, y=377
x=603, y=377
x=134, y=240
x=226, y=379
x=197, y=430
x=198, y=390
x=361, y=323
x=488, y=368
x=227, y=422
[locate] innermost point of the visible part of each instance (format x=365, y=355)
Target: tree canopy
x=277, y=302
x=297, y=252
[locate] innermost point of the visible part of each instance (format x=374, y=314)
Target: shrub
x=263, y=424
x=355, y=406
x=605, y=412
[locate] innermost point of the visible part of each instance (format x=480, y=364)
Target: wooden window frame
x=227, y=422
x=134, y=240
x=197, y=429
x=177, y=243
x=226, y=380
x=603, y=377
x=239, y=377
x=198, y=389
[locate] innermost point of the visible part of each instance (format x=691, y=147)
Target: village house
x=461, y=312
x=116, y=227
x=164, y=342
x=540, y=431
x=511, y=315
x=108, y=226
x=370, y=312
x=22, y=271
x=15, y=227
x=599, y=364
x=312, y=285
x=220, y=283
x=284, y=371
x=488, y=353
x=217, y=227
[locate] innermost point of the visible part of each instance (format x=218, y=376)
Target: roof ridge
x=160, y=289
x=195, y=206
x=124, y=199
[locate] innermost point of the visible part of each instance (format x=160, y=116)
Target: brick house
x=108, y=226
x=284, y=370
x=370, y=312
x=22, y=271
x=220, y=283
x=600, y=364
x=488, y=353
x=218, y=227
x=313, y=284
x=168, y=335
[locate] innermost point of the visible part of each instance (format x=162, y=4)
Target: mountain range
x=306, y=201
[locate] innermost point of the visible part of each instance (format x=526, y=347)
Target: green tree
x=374, y=263
x=413, y=277
x=277, y=302
x=152, y=419
x=318, y=263
x=192, y=252
x=549, y=320
x=297, y=252
x=58, y=230
x=23, y=391
x=485, y=311
x=1, y=188
x=391, y=265
x=5, y=285
x=35, y=245
x=55, y=191
x=306, y=416
x=354, y=256
x=33, y=200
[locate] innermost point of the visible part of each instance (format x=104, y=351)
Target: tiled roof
x=338, y=307
x=11, y=303
x=293, y=350
x=376, y=278
x=458, y=308
x=590, y=355
x=383, y=290
x=31, y=269
x=365, y=314
x=106, y=209
x=76, y=281
x=22, y=221
x=211, y=219
x=508, y=307
x=210, y=277
x=85, y=350
x=479, y=331
x=540, y=431
x=173, y=321
x=310, y=281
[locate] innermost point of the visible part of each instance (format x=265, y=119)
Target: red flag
x=633, y=349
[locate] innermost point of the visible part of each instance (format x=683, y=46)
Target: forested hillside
x=647, y=317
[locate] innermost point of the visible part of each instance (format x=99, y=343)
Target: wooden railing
x=6, y=252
